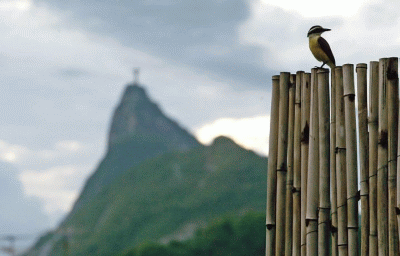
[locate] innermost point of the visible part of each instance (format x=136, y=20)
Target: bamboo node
x=314, y=231
x=351, y=96
x=294, y=190
x=352, y=227
x=356, y=196
x=270, y=226
x=282, y=169
x=337, y=150
x=328, y=222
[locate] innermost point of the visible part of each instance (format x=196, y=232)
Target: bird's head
x=316, y=30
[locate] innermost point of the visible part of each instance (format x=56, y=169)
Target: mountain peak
x=137, y=116
x=139, y=131
x=222, y=140
x=135, y=93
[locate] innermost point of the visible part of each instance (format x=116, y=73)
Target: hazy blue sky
x=208, y=64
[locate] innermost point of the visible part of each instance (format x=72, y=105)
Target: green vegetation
x=227, y=237
x=158, y=199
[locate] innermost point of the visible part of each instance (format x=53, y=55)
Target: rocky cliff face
x=139, y=131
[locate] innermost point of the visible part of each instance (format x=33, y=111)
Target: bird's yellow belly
x=316, y=50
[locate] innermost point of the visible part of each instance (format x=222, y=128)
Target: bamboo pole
x=334, y=237
x=398, y=182
x=341, y=165
x=361, y=70
x=289, y=178
x=351, y=158
x=393, y=106
x=382, y=186
x=313, y=171
x=272, y=166
x=324, y=163
x=373, y=151
x=305, y=139
x=284, y=82
x=296, y=250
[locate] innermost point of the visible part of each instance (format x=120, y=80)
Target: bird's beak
x=327, y=29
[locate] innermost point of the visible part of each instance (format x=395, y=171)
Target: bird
x=319, y=46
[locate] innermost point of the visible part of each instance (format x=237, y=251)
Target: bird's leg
x=323, y=63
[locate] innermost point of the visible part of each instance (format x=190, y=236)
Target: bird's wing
x=326, y=48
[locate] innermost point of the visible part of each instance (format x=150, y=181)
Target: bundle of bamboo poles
x=329, y=189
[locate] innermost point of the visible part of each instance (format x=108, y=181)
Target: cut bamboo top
x=361, y=65
x=323, y=70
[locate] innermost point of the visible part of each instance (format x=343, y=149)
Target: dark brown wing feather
x=326, y=48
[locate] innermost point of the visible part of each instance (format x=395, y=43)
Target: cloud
x=24, y=156
x=69, y=145
x=282, y=34
x=202, y=35
x=52, y=176
x=19, y=214
x=381, y=15
x=72, y=73
x=12, y=153
x=314, y=8
x=57, y=186
x=251, y=133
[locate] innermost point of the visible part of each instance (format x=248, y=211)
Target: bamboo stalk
x=398, y=182
x=351, y=158
x=296, y=250
x=284, y=82
x=382, y=186
x=289, y=178
x=305, y=139
x=393, y=106
x=333, y=167
x=373, y=151
x=272, y=166
x=324, y=162
x=361, y=70
x=341, y=165
x=313, y=171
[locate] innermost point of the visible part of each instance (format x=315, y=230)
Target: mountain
x=139, y=131
x=156, y=183
x=165, y=198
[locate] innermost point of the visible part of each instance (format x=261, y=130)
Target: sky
x=208, y=64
